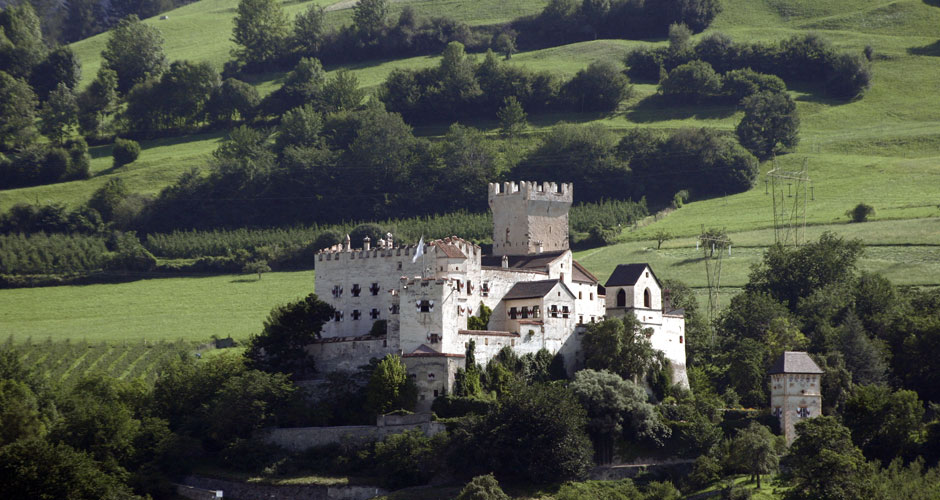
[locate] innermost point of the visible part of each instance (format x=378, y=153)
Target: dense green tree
x=884, y=424
x=246, y=403
x=619, y=345
x=134, y=52
x=61, y=66
x=124, y=151
x=341, y=92
x=287, y=331
x=823, y=464
x=106, y=198
x=21, y=416
x=21, y=44
x=757, y=450
x=261, y=33
x=233, y=100
x=614, y=407
x=741, y=83
x=59, y=114
x=299, y=127
x=302, y=85
x=36, y=468
x=599, y=87
x=482, y=488
x=17, y=112
x=863, y=357
x=184, y=387
x=849, y=76
x=369, y=18
x=407, y=459
x=98, y=418
x=84, y=19
x=458, y=82
x=536, y=433
x=98, y=101
x=390, y=388
x=512, y=118
x=791, y=273
x=691, y=82
x=770, y=125
x=307, y=36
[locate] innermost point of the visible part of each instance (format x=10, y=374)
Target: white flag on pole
x=420, y=251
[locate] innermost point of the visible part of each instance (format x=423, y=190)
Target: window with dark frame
x=356, y=315
x=374, y=313
x=355, y=290
x=374, y=289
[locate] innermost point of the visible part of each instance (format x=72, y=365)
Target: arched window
x=647, y=299
x=622, y=298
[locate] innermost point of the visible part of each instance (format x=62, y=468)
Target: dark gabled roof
x=794, y=362
x=629, y=274
x=582, y=275
x=533, y=289
x=535, y=262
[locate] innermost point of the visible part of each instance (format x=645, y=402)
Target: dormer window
x=356, y=290
x=374, y=289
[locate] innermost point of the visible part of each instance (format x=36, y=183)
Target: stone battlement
x=367, y=251
x=533, y=190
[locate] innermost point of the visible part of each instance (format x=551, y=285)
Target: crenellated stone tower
x=530, y=217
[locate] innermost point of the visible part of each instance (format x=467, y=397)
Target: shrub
x=483, y=488
x=691, y=82
x=125, y=151
x=861, y=212
x=599, y=87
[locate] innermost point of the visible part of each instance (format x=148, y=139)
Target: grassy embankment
x=883, y=149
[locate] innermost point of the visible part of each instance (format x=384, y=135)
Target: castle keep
x=540, y=296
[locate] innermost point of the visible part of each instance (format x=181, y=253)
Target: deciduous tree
x=261, y=33
x=280, y=347
x=771, y=124
x=135, y=52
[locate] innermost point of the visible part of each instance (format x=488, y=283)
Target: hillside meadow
x=883, y=149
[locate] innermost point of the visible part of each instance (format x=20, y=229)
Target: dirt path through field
x=348, y=4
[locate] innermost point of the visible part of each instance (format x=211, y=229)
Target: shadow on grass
x=690, y=260
x=245, y=280
x=655, y=108
x=927, y=50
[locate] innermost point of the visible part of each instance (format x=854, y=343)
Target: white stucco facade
x=540, y=297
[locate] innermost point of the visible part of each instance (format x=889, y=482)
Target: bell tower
x=530, y=217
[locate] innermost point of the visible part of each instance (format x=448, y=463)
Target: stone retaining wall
x=251, y=491
x=302, y=438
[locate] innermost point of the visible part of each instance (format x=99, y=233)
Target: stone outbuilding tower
x=795, y=391
x=530, y=217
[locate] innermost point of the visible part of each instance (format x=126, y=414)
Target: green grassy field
x=883, y=149
x=153, y=310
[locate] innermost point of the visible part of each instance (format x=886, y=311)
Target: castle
x=539, y=295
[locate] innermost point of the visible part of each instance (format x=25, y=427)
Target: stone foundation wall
x=303, y=438
x=252, y=491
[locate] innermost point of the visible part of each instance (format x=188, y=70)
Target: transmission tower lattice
x=713, y=244
x=789, y=190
